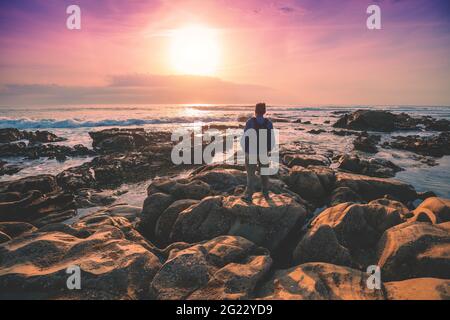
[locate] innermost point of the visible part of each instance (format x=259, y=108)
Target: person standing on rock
x=257, y=142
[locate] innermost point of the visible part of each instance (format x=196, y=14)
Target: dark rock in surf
x=436, y=146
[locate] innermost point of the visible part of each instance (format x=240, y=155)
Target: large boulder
x=154, y=206
x=418, y=289
x=319, y=281
x=266, y=222
x=347, y=234
x=415, y=250
x=434, y=210
x=312, y=183
x=372, y=188
x=168, y=218
x=161, y=194
x=34, y=266
x=226, y=267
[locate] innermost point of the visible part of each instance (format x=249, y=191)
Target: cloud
x=286, y=9
x=138, y=89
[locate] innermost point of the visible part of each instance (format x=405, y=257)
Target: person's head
x=260, y=109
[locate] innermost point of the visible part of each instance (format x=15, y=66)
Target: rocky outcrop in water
x=50, y=151
x=436, y=145
x=384, y=121
x=118, y=140
x=367, y=143
x=11, y=134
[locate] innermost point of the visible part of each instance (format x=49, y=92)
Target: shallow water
x=75, y=122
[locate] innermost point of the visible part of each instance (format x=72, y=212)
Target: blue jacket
x=258, y=123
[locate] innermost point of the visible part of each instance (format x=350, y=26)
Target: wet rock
x=436, y=146
x=372, y=167
x=316, y=131
x=13, y=149
x=372, y=188
x=41, y=137
x=319, y=281
x=116, y=169
x=292, y=160
x=11, y=134
x=34, y=265
x=415, y=250
x=434, y=210
x=367, y=143
x=113, y=140
x=344, y=133
x=77, y=178
x=8, y=169
x=36, y=151
x=224, y=268
x=418, y=289
x=347, y=234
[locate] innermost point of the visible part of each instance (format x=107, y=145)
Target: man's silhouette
x=263, y=128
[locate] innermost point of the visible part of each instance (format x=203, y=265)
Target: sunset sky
x=315, y=52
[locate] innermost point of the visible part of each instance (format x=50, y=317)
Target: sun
x=195, y=50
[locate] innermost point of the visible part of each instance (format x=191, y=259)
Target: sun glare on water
x=195, y=50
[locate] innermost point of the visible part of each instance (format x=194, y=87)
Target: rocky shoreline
x=328, y=217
